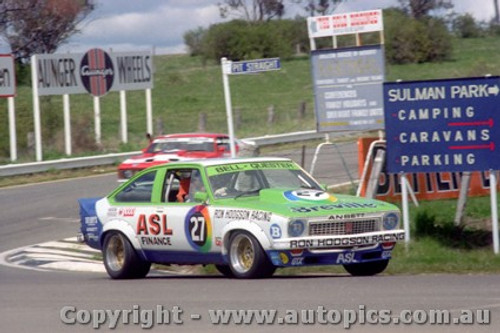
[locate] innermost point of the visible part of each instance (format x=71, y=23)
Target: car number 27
x=197, y=228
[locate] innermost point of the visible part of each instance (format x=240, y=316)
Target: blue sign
x=255, y=66
x=348, y=92
x=443, y=125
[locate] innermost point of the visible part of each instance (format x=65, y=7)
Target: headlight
x=296, y=228
x=390, y=221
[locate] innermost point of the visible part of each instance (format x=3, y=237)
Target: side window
x=223, y=142
x=139, y=190
x=181, y=185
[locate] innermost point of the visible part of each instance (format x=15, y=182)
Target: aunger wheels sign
x=97, y=72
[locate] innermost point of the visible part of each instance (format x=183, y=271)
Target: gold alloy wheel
x=115, y=253
x=242, y=253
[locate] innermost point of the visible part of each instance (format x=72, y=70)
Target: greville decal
x=153, y=229
x=333, y=206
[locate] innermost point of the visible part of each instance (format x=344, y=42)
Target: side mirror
x=201, y=197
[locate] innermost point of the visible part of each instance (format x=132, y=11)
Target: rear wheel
x=367, y=268
x=247, y=259
x=120, y=259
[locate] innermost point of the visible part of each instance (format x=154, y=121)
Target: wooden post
x=270, y=115
x=302, y=110
x=202, y=122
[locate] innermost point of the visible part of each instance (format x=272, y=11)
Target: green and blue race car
x=246, y=216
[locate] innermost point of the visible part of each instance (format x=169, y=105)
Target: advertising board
x=348, y=88
x=443, y=125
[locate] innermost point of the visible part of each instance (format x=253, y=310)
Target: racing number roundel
x=97, y=72
x=198, y=228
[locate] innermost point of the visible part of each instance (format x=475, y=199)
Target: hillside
x=184, y=87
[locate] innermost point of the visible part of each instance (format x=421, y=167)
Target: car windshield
x=247, y=179
x=188, y=144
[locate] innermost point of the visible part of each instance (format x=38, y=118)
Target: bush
x=239, y=40
x=465, y=26
x=415, y=41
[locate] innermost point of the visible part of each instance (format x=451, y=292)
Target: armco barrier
x=89, y=161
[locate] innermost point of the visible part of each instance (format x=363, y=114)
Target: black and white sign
x=348, y=88
x=7, y=76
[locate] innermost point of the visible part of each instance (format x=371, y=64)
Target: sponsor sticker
x=275, y=231
x=198, y=228
x=309, y=195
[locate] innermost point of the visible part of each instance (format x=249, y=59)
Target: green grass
x=471, y=57
x=184, y=87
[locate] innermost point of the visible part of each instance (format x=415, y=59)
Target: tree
x=465, y=26
x=319, y=7
x=194, y=40
x=421, y=8
x=497, y=14
x=40, y=26
x=252, y=10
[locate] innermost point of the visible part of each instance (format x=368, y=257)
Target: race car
x=247, y=216
x=181, y=147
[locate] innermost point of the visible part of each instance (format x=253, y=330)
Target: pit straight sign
x=255, y=66
x=443, y=125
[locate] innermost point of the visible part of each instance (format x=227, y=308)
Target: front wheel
x=247, y=259
x=225, y=270
x=120, y=259
x=367, y=268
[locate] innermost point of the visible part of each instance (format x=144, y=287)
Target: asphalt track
x=32, y=301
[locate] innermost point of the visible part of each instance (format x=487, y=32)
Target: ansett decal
x=153, y=230
x=333, y=206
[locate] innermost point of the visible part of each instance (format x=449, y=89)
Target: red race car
x=181, y=147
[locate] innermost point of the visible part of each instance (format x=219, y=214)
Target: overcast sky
x=124, y=25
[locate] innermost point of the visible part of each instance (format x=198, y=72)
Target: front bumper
x=339, y=243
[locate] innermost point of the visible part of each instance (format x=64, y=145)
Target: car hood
x=307, y=203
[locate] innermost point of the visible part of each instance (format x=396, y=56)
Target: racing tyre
x=121, y=260
x=367, y=268
x=247, y=259
x=225, y=270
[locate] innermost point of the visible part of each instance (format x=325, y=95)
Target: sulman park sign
x=95, y=72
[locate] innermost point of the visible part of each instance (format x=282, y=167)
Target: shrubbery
x=415, y=41
x=407, y=40
x=238, y=40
